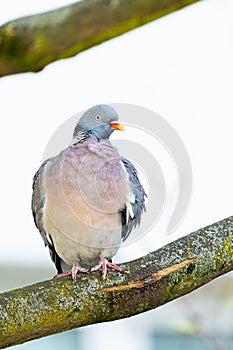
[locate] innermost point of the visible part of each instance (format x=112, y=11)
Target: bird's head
x=100, y=120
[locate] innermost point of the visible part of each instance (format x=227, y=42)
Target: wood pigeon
x=87, y=199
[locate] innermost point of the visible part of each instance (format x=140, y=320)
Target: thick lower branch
x=28, y=44
x=57, y=305
x=152, y=278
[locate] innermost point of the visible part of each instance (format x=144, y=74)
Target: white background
x=179, y=66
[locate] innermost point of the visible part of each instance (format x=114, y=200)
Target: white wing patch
x=130, y=200
x=129, y=209
x=48, y=238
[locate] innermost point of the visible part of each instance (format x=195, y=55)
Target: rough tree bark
x=28, y=44
x=176, y=269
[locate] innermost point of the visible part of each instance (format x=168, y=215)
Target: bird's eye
x=98, y=117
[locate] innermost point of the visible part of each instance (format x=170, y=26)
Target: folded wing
x=135, y=206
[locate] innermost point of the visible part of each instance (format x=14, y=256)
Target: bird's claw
x=105, y=264
x=73, y=272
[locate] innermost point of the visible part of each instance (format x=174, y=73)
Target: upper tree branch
x=28, y=44
x=170, y=272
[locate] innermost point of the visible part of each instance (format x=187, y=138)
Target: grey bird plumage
x=87, y=199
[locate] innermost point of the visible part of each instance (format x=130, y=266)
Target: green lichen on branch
x=174, y=270
x=28, y=44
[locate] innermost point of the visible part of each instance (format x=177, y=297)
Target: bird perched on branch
x=87, y=199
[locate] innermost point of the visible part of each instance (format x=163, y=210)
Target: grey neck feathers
x=79, y=135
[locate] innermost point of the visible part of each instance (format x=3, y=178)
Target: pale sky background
x=180, y=66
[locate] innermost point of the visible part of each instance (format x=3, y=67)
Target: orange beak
x=117, y=126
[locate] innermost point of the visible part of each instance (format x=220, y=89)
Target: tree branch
x=28, y=44
x=57, y=305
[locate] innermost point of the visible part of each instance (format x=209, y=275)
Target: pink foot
x=104, y=264
x=73, y=272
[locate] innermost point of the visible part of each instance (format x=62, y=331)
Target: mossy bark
x=176, y=269
x=28, y=44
